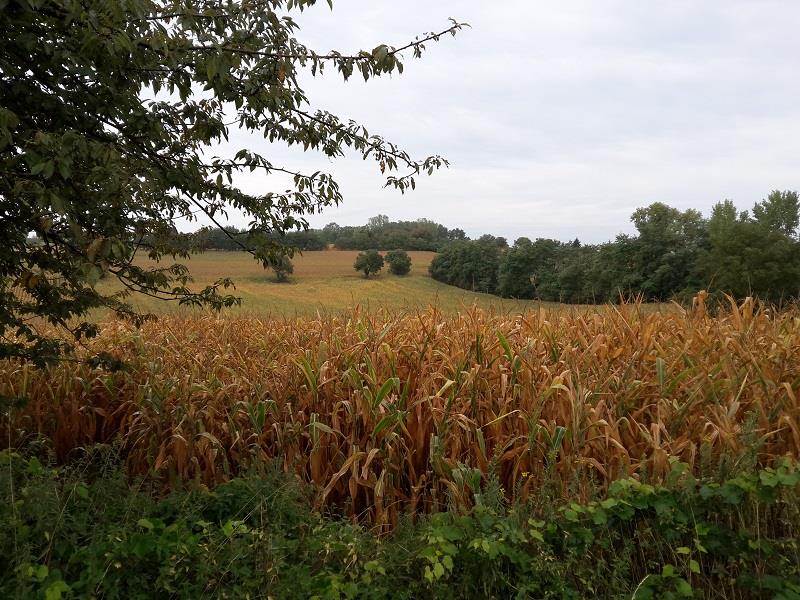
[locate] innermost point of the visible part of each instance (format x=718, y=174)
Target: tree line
x=382, y=234
x=673, y=254
x=379, y=233
x=233, y=238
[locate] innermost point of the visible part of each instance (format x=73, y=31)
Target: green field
x=325, y=282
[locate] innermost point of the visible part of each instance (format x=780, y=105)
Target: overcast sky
x=560, y=118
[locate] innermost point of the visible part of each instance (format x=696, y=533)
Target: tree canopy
x=369, y=262
x=110, y=116
x=673, y=255
x=380, y=233
x=399, y=262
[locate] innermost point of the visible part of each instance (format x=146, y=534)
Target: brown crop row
x=390, y=413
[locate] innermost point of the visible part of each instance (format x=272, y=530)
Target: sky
x=561, y=118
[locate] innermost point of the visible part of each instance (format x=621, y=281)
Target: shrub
x=66, y=534
x=399, y=262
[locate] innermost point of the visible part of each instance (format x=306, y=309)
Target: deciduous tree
x=110, y=117
x=282, y=266
x=369, y=262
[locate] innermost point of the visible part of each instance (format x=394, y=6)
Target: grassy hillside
x=326, y=282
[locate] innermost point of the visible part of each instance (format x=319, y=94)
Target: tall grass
x=389, y=413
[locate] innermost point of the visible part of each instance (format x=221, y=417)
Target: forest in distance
x=672, y=255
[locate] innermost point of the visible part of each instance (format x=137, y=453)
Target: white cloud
x=560, y=118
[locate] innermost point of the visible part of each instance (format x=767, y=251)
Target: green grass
x=326, y=282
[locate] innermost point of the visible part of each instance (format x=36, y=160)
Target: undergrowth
x=86, y=530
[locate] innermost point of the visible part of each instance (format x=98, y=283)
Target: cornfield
x=393, y=413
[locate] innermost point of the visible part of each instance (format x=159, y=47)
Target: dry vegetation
x=395, y=412
x=325, y=281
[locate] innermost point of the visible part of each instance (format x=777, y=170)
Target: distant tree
x=673, y=255
x=500, y=242
x=528, y=270
x=217, y=238
x=303, y=240
x=370, y=262
x=751, y=256
x=779, y=213
x=517, y=271
x=472, y=265
x=382, y=234
x=456, y=234
x=340, y=237
x=398, y=239
x=377, y=222
x=399, y=262
x=663, y=256
x=330, y=233
x=282, y=266
x=363, y=239
x=615, y=272
x=573, y=267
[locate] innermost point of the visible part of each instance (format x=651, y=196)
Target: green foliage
x=234, y=239
x=85, y=530
x=673, y=256
x=779, y=213
x=754, y=256
x=735, y=539
x=472, y=265
x=369, y=262
x=528, y=267
x=109, y=114
x=399, y=262
x=667, y=247
x=383, y=234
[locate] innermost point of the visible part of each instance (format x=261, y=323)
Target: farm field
x=412, y=453
x=325, y=281
x=590, y=390
x=394, y=437
x=382, y=411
